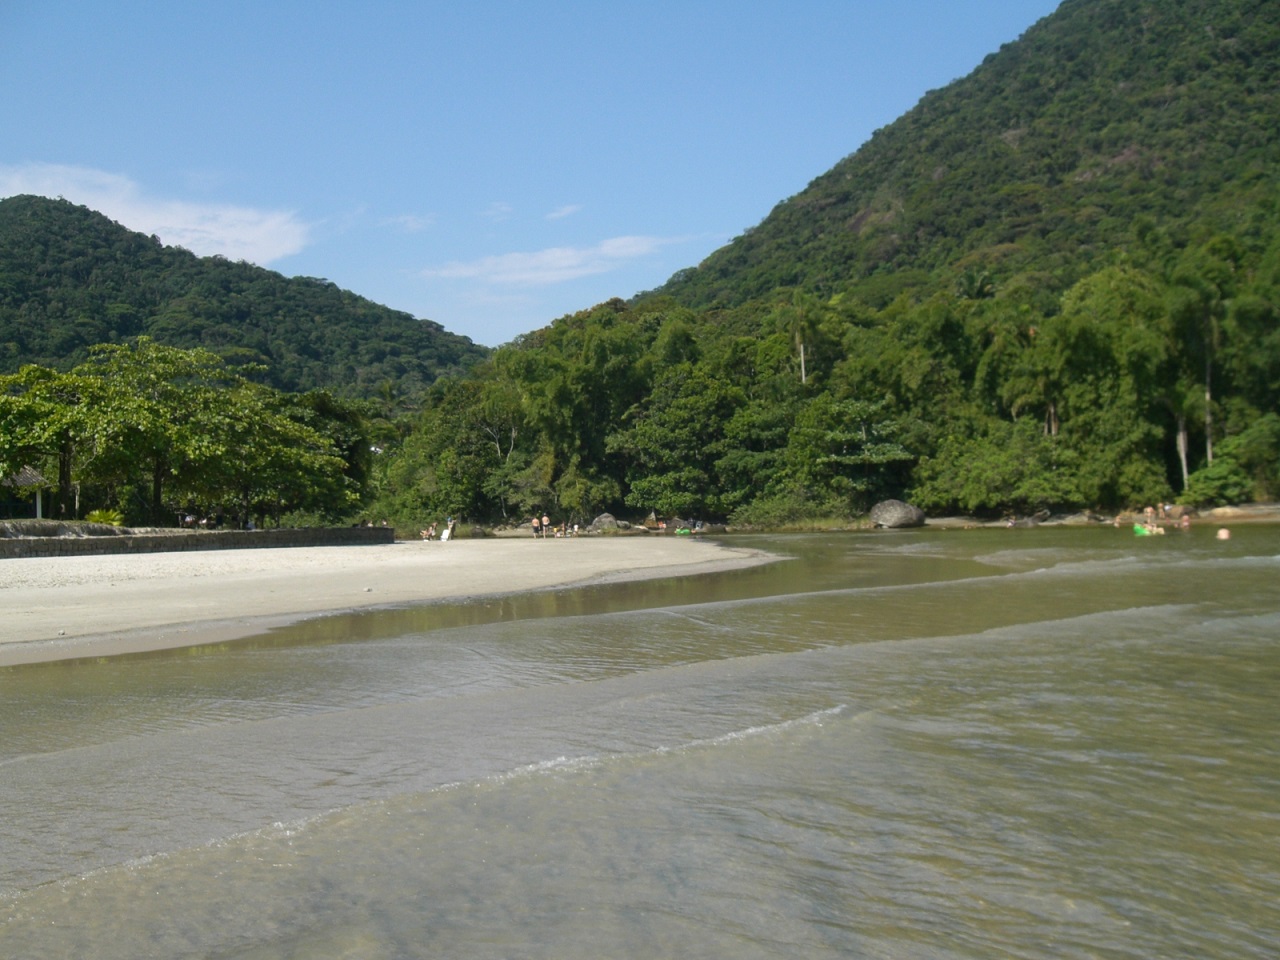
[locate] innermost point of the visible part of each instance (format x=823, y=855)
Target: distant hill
x=1105, y=119
x=71, y=278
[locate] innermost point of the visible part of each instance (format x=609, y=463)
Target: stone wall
x=159, y=542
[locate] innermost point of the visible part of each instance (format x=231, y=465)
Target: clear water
x=988, y=743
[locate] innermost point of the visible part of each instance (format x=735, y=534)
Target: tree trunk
x=66, y=453
x=1208, y=409
x=1182, y=448
x=157, y=484
x=1051, y=420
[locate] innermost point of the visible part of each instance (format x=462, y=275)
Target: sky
x=490, y=165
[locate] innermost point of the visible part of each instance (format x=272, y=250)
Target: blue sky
x=489, y=165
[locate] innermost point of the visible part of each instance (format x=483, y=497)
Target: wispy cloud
x=410, y=222
x=566, y=211
x=554, y=265
x=498, y=211
x=235, y=232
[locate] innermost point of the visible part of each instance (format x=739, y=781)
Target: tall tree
x=802, y=318
x=147, y=417
x=48, y=417
x=1205, y=282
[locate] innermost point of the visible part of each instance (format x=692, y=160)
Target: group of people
x=216, y=521
x=1152, y=517
x=543, y=528
x=1150, y=521
x=430, y=532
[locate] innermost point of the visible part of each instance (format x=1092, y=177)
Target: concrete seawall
x=14, y=547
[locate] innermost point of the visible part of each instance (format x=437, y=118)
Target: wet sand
x=59, y=608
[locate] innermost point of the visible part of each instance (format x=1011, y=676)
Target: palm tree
x=802, y=318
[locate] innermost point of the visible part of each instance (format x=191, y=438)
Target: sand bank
x=63, y=607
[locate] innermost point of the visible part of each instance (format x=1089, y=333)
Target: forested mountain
x=1054, y=283
x=71, y=278
x=1105, y=119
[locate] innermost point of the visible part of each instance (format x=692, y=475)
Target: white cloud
x=498, y=211
x=238, y=233
x=554, y=265
x=566, y=211
x=410, y=222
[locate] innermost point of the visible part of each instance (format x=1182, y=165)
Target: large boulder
x=895, y=513
x=606, y=521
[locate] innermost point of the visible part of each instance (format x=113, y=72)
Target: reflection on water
x=1041, y=743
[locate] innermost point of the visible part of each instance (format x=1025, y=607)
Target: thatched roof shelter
x=26, y=477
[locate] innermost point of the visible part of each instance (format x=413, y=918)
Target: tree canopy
x=1051, y=284
x=154, y=430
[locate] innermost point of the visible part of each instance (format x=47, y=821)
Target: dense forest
x=1053, y=284
x=70, y=278
x=1055, y=154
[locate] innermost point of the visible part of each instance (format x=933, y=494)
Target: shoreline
x=1248, y=513
x=64, y=608
x=104, y=605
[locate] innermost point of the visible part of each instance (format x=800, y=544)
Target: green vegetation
x=148, y=431
x=112, y=518
x=1053, y=284
x=70, y=278
x=1105, y=120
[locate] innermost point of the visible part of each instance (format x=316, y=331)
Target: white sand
x=61, y=607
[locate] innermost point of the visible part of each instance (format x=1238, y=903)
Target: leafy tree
x=245, y=449
x=801, y=318
x=1205, y=283
x=175, y=421
x=1247, y=468
x=1000, y=465
x=839, y=450
x=674, y=441
x=1109, y=344
x=145, y=419
x=46, y=418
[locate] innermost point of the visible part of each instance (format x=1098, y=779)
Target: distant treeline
x=1149, y=381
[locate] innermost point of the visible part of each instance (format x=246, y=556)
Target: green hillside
x=71, y=278
x=1104, y=119
x=1053, y=284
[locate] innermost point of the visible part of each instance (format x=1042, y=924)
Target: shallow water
x=1025, y=743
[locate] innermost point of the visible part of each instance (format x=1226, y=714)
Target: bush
x=1246, y=468
x=789, y=508
x=113, y=518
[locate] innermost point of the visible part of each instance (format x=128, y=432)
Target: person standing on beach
x=546, y=522
x=535, y=528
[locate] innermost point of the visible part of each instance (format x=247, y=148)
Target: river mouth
x=920, y=744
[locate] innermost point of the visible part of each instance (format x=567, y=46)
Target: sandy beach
x=66, y=607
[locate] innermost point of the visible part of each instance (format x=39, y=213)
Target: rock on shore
x=895, y=514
